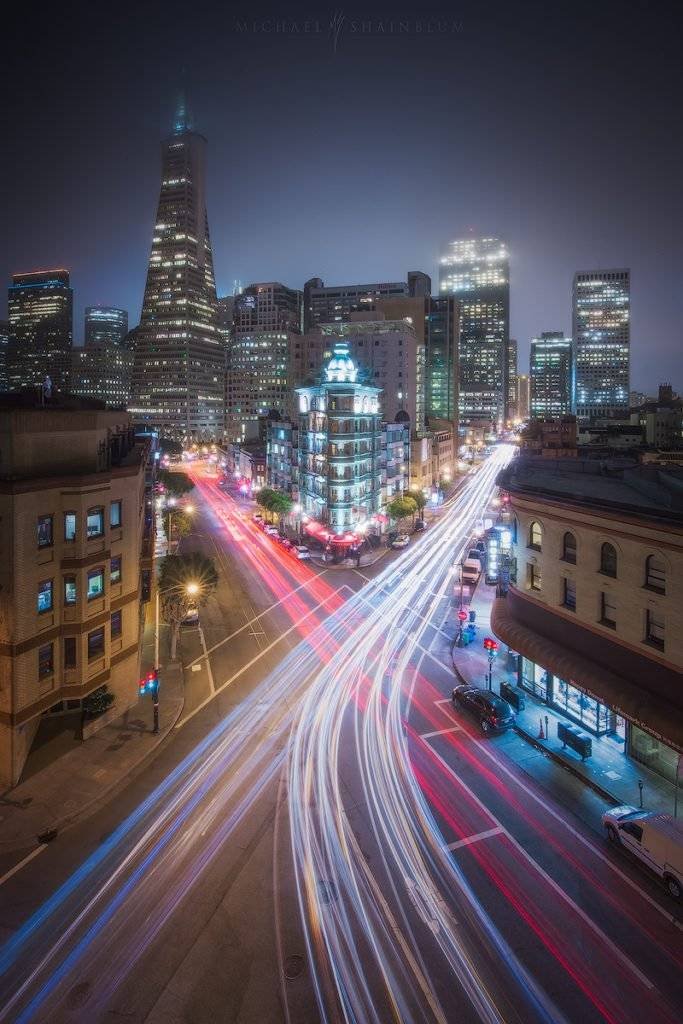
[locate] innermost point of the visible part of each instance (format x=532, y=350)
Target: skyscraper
x=335, y=303
x=40, y=308
x=442, y=330
x=523, y=396
x=4, y=342
x=179, y=362
x=477, y=272
x=602, y=340
x=551, y=375
x=266, y=319
x=105, y=324
x=511, y=379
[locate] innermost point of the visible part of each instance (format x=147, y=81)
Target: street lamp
x=192, y=589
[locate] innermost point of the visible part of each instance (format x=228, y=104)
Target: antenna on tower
x=182, y=121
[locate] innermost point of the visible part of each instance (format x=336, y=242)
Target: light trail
x=381, y=938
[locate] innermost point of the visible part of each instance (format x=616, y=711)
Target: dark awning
x=648, y=711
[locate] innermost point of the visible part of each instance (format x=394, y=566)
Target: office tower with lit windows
x=336, y=303
x=179, y=362
x=477, y=272
x=551, y=375
x=601, y=315
x=4, y=342
x=511, y=380
x=442, y=335
x=523, y=390
x=102, y=370
x=105, y=325
x=40, y=306
x=267, y=317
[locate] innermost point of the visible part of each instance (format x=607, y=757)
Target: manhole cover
x=294, y=965
x=78, y=995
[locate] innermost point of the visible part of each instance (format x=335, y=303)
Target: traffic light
x=150, y=684
x=491, y=646
x=462, y=615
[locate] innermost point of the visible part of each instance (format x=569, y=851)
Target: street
x=323, y=837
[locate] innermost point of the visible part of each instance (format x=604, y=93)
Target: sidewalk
x=90, y=771
x=609, y=772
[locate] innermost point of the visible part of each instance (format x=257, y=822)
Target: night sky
x=356, y=156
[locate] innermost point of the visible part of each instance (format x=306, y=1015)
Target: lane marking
x=557, y=889
x=257, y=657
x=570, y=828
x=440, y=732
x=266, y=611
x=475, y=838
x=20, y=865
x=208, y=661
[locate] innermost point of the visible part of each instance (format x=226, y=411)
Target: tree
x=402, y=507
x=176, y=485
x=276, y=502
x=184, y=580
x=419, y=499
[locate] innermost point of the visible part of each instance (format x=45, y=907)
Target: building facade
x=601, y=325
x=267, y=318
x=105, y=325
x=334, y=304
x=442, y=338
x=523, y=397
x=102, y=370
x=75, y=542
x=386, y=352
x=511, y=380
x=551, y=375
x=179, y=366
x=595, y=606
x=339, y=446
x=477, y=273
x=4, y=344
x=40, y=307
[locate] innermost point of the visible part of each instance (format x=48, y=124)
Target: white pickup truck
x=656, y=839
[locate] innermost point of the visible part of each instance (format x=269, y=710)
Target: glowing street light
x=192, y=589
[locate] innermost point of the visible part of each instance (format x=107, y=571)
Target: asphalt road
x=322, y=835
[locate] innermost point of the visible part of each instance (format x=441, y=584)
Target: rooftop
x=649, y=491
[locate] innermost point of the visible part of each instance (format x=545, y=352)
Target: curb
x=552, y=754
x=566, y=763
x=91, y=806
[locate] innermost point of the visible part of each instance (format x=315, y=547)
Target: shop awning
x=651, y=713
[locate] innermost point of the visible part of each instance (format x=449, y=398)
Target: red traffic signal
x=490, y=644
x=462, y=614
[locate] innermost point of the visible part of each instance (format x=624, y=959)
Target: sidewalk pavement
x=90, y=771
x=609, y=771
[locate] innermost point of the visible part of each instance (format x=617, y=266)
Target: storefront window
x=534, y=679
x=653, y=753
x=580, y=707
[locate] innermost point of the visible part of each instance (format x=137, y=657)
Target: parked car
x=272, y=531
x=475, y=555
x=191, y=616
x=419, y=526
x=471, y=570
x=285, y=543
x=301, y=551
x=655, y=839
x=401, y=542
x=493, y=713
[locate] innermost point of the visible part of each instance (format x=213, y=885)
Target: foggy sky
x=357, y=154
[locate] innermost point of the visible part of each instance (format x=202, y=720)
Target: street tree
x=276, y=502
x=402, y=507
x=419, y=499
x=176, y=485
x=184, y=580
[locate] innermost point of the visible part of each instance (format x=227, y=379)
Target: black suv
x=494, y=713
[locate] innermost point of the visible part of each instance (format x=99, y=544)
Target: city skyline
x=585, y=212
